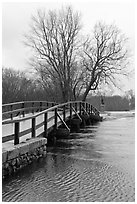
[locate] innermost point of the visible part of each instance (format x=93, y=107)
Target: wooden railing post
x=11, y=116
x=86, y=107
x=55, y=119
x=40, y=106
x=76, y=106
x=16, y=135
x=80, y=108
x=32, y=107
x=90, y=109
x=64, y=113
x=33, y=127
x=23, y=113
x=83, y=104
x=45, y=124
x=70, y=110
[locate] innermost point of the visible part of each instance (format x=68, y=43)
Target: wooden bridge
x=24, y=120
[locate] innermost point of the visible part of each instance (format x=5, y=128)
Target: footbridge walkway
x=23, y=120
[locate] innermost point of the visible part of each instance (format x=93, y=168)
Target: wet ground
x=96, y=164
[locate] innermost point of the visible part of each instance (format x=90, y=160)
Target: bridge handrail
x=8, y=110
x=45, y=111
x=22, y=109
x=21, y=102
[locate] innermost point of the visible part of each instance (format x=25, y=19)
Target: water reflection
x=96, y=164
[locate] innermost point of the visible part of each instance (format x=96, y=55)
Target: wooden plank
x=63, y=122
x=76, y=113
x=85, y=111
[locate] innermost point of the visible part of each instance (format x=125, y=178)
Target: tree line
x=17, y=86
x=114, y=103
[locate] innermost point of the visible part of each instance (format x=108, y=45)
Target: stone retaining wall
x=16, y=157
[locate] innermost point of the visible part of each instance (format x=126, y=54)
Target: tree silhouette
x=54, y=39
x=104, y=57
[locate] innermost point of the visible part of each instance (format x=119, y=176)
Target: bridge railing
x=12, y=110
x=49, y=120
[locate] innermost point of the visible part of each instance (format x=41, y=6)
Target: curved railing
x=22, y=108
x=46, y=119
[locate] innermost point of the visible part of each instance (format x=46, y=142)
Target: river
x=95, y=165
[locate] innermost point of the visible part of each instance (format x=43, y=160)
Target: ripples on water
x=96, y=164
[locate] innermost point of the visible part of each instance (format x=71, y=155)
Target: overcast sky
x=16, y=18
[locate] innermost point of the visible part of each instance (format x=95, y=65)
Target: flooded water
x=96, y=164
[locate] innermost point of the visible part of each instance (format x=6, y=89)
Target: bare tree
x=16, y=86
x=104, y=57
x=10, y=85
x=54, y=39
x=130, y=95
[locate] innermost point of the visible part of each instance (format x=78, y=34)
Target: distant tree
x=16, y=86
x=104, y=57
x=112, y=103
x=117, y=103
x=130, y=95
x=10, y=85
x=53, y=38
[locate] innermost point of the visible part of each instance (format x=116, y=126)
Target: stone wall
x=16, y=157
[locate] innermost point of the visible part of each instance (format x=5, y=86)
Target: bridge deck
x=29, y=125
